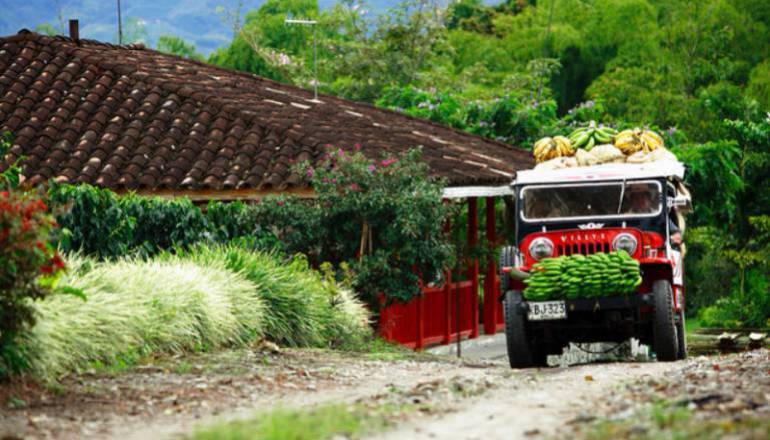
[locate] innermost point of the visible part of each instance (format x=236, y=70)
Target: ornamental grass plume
x=301, y=307
x=136, y=308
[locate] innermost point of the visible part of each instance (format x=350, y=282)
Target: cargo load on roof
x=597, y=144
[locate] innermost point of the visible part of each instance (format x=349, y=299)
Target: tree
x=177, y=46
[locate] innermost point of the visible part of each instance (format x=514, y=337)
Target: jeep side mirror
x=681, y=203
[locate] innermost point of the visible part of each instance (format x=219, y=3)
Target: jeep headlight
x=541, y=248
x=625, y=242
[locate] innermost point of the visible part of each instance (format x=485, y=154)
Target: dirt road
x=530, y=403
x=177, y=396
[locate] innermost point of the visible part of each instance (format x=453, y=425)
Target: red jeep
x=603, y=208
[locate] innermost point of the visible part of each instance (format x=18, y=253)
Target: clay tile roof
x=127, y=117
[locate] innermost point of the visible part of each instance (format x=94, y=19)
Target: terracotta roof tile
x=129, y=117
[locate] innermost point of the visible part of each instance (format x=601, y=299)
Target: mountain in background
x=195, y=21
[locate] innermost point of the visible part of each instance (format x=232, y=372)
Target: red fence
x=432, y=318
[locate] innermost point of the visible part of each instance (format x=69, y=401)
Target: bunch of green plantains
x=579, y=276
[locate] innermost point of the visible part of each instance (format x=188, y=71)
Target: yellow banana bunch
x=632, y=141
x=550, y=148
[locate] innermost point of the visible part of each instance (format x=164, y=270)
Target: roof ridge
x=26, y=34
x=250, y=76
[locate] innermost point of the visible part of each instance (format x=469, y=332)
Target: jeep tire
x=664, y=328
x=681, y=337
x=506, y=260
x=520, y=351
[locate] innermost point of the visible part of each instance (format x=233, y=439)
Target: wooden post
x=473, y=263
x=490, y=278
x=447, y=295
x=420, y=344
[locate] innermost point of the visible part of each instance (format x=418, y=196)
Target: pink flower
x=281, y=203
x=310, y=173
x=388, y=162
x=358, y=147
x=354, y=187
x=371, y=168
x=341, y=152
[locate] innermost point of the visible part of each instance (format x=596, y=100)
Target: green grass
x=322, y=422
x=302, y=308
x=206, y=299
x=667, y=421
x=692, y=324
x=135, y=308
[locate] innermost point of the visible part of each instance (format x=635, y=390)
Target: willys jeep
x=637, y=208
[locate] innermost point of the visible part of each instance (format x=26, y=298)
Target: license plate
x=547, y=310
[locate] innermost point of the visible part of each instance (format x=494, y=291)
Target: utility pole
x=120, y=26
x=313, y=24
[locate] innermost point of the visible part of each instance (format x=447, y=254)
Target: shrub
x=201, y=299
x=25, y=257
x=385, y=218
x=136, y=308
x=301, y=307
x=93, y=220
x=99, y=222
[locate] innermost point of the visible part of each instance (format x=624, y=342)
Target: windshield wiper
x=622, y=193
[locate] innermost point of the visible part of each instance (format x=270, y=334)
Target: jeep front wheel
x=665, y=340
x=520, y=350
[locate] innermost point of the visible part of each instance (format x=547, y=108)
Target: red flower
x=57, y=261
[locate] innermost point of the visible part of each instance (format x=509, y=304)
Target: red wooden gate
x=432, y=318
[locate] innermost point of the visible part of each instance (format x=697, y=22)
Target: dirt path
x=530, y=404
x=174, y=397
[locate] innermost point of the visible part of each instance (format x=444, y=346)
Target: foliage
x=29, y=267
x=318, y=423
x=10, y=177
x=172, y=307
x=99, y=222
x=177, y=46
x=204, y=299
x=385, y=218
x=748, y=305
x=302, y=308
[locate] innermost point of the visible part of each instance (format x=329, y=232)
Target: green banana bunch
x=591, y=136
x=579, y=276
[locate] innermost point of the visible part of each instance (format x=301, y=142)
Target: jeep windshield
x=590, y=201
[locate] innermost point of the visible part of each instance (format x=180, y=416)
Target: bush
x=101, y=223
x=25, y=257
x=384, y=218
x=202, y=299
x=302, y=308
x=136, y=308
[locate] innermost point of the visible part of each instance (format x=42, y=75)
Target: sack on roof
x=660, y=154
x=558, y=163
x=607, y=153
x=585, y=158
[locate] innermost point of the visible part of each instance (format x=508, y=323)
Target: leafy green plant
x=301, y=307
x=10, y=177
x=136, y=308
x=29, y=267
x=385, y=218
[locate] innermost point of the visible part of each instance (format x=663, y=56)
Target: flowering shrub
x=384, y=217
x=27, y=265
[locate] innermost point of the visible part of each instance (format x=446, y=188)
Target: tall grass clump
x=302, y=308
x=135, y=308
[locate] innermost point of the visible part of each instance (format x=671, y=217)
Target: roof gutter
x=462, y=192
